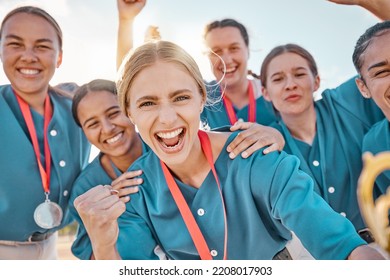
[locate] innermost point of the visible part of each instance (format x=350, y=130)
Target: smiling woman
x=186, y=30
x=39, y=131
x=184, y=102
x=337, y=123
x=105, y=125
x=95, y=108
x=195, y=201
x=237, y=96
x=371, y=59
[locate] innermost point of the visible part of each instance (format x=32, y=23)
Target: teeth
x=169, y=135
x=170, y=147
x=114, y=139
x=29, y=71
x=228, y=70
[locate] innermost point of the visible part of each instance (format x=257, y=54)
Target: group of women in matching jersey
x=163, y=185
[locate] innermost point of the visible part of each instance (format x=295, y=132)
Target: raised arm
x=127, y=11
x=380, y=8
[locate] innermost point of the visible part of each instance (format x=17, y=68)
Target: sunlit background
x=327, y=30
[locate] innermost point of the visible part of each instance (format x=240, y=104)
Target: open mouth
x=172, y=140
x=114, y=139
x=229, y=70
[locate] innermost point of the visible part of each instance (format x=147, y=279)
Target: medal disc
x=48, y=215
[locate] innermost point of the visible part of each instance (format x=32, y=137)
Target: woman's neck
x=36, y=101
x=194, y=171
x=123, y=162
x=302, y=126
x=238, y=94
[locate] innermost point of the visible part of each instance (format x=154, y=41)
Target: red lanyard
x=24, y=107
x=251, y=110
x=189, y=220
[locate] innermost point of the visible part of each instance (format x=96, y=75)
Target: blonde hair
x=147, y=55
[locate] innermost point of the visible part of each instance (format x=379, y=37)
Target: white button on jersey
x=343, y=214
x=65, y=193
x=316, y=163
x=214, y=253
x=62, y=163
x=200, y=212
x=331, y=189
x=53, y=132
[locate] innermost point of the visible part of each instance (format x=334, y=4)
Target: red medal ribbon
x=189, y=220
x=24, y=107
x=251, y=110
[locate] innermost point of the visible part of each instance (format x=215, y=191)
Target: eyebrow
x=294, y=69
x=274, y=74
x=44, y=40
x=179, y=91
x=91, y=118
x=230, y=45
x=379, y=64
x=154, y=98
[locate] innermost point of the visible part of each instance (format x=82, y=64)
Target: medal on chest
x=48, y=214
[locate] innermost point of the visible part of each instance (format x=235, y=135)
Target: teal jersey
x=377, y=140
x=266, y=197
x=21, y=189
x=215, y=114
x=93, y=175
x=334, y=158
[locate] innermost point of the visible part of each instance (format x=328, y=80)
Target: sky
x=329, y=31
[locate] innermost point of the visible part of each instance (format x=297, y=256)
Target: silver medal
x=48, y=214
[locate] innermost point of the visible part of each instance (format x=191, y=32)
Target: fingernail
x=114, y=192
x=244, y=154
x=232, y=155
x=228, y=149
